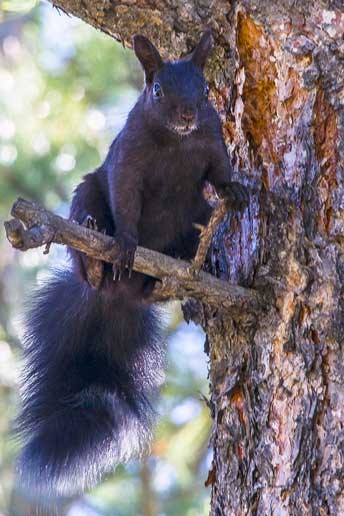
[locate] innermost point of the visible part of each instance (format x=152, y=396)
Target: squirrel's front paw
x=235, y=195
x=125, y=259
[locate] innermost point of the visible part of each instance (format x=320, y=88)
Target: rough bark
x=277, y=76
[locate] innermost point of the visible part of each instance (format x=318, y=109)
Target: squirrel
x=94, y=358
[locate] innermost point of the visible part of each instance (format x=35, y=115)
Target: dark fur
x=93, y=356
x=94, y=362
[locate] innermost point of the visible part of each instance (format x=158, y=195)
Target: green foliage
x=68, y=94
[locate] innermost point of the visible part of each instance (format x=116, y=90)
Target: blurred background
x=65, y=91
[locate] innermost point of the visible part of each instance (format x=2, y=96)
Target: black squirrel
x=94, y=357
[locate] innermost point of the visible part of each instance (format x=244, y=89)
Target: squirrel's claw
x=90, y=223
x=126, y=255
x=117, y=274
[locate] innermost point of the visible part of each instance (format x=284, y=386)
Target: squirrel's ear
x=200, y=54
x=148, y=56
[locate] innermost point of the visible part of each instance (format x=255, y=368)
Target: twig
x=177, y=282
x=206, y=236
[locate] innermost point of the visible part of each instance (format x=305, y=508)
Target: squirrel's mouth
x=183, y=130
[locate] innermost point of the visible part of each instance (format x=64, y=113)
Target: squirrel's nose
x=188, y=116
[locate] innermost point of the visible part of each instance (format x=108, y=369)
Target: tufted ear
x=200, y=53
x=148, y=56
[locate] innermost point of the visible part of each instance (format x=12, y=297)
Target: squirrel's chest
x=174, y=175
x=172, y=199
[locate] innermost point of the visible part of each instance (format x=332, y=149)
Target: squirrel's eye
x=157, y=91
x=206, y=90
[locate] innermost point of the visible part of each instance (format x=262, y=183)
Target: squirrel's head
x=176, y=93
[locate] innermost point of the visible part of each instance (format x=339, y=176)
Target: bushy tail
x=93, y=363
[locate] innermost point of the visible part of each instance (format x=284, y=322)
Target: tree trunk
x=276, y=373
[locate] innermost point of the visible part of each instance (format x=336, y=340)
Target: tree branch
x=178, y=279
x=206, y=235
